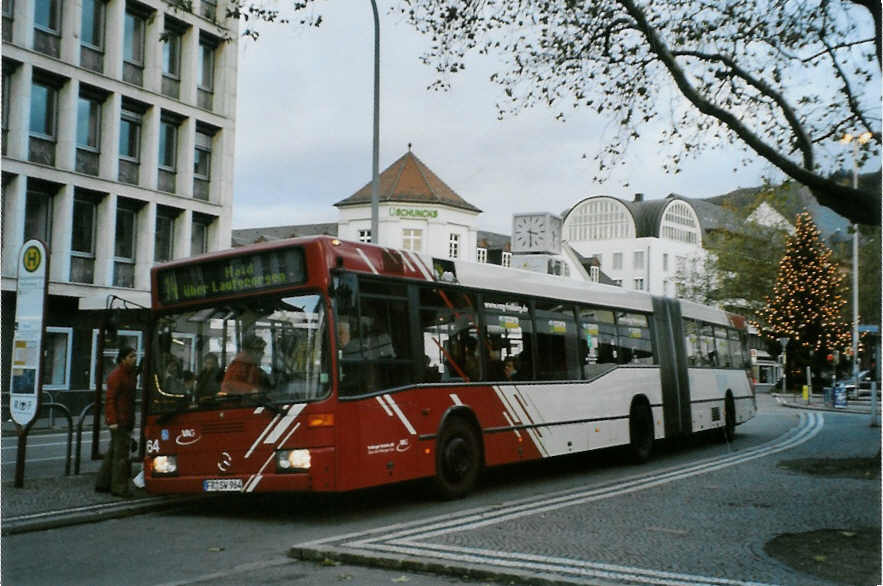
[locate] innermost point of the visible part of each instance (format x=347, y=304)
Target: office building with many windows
x=118, y=142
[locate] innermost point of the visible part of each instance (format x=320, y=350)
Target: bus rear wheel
x=641, y=434
x=457, y=459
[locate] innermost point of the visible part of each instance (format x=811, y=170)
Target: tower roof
x=409, y=180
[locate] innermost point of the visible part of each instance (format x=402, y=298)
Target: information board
x=27, y=338
x=229, y=276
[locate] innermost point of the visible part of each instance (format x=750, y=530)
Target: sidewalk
x=817, y=403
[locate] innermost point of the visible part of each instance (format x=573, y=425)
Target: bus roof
x=384, y=261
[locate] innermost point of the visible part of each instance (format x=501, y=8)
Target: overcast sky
x=304, y=131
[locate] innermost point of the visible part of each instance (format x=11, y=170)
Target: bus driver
x=244, y=375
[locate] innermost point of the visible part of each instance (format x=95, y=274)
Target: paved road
x=698, y=513
x=45, y=453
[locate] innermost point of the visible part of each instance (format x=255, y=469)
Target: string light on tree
x=807, y=302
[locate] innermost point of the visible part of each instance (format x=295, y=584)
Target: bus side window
x=691, y=343
x=556, y=341
x=597, y=341
x=450, y=335
x=722, y=345
x=707, y=353
x=633, y=332
x=507, y=343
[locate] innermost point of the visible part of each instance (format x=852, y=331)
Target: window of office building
x=47, y=26
x=130, y=146
x=92, y=24
x=506, y=261
x=209, y=9
x=124, y=247
x=638, y=259
x=129, y=338
x=617, y=260
x=202, y=163
x=133, y=38
x=38, y=214
x=412, y=239
x=481, y=255
x=8, y=6
x=199, y=236
x=43, y=101
x=454, y=246
x=88, y=133
x=92, y=35
x=83, y=241
x=47, y=15
x=133, y=47
x=168, y=154
x=665, y=262
x=165, y=235
x=88, y=122
x=168, y=145
x=42, y=122
x=639, y=284
x=130, y=135
x=171, y=56
x=57, y=358
x=364, y=235
x=171, y=53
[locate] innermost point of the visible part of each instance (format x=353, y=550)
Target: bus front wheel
x=641, y=434
x=457, y=459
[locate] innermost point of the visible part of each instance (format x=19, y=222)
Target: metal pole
x=375, y=173
x=855, y=275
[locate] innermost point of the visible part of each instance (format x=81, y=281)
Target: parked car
x=865, y=378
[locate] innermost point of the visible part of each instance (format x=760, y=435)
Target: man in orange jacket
x=119, y=413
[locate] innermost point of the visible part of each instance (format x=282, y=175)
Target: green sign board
x=413, y=213
x=245, y=273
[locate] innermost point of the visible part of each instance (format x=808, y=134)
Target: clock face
x=529, y=233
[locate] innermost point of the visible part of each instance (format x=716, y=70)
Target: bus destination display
x=229, y=276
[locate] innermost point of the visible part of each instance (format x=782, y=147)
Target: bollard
x=82, y=418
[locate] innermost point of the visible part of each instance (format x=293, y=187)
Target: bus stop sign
x=27, y=340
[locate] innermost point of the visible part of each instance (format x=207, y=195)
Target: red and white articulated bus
x=315, y=364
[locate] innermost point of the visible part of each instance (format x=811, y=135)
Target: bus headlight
x=292, y=460
x=164, y=465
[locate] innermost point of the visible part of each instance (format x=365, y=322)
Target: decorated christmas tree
x=808, y=300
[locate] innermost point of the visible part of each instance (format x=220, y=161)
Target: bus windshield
x=263, y=351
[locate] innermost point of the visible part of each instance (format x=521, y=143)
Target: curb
x=90, y=514
x=330, y=555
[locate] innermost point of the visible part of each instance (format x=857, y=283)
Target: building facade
x=118, y=143
x=417, y=211
x=640, y=245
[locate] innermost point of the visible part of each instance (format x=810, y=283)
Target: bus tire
x=641, y=434
x=457, y=459
x=728, y=431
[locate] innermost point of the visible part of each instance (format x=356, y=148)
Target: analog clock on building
x=536, y=233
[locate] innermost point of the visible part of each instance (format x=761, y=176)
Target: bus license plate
x=222, y=485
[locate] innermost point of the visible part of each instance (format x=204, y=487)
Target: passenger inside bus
x=244, y=374
x=208, y=383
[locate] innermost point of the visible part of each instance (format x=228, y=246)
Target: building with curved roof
x=641, y=244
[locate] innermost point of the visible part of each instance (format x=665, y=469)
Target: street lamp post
x=375, y=173
x=856, y=141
